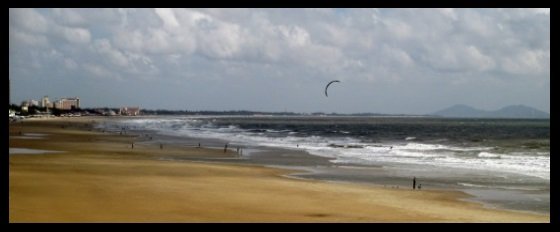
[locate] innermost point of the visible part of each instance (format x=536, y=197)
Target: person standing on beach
x=414, y=183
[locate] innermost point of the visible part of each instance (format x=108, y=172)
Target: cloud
x=99, y=71
x=168, y=17
x=75, y=35
x=381, y=46
x=32, y=40
x=104, y=48
x=28, y=20
x=70, y=64
x=528, y=62
x=68, y=17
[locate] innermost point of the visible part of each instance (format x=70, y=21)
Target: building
x=129, y=111
x=29, y=103
x=24, y=106
x=45, y=102
x=33, y=103
x=67, y=103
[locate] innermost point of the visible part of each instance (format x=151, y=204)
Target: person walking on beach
x=225, y=148
x=414, y=183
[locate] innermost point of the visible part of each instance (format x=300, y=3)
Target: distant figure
x=419, y=186
x=414, y=183
x=391, y=148
x=132, y=145
x=225, y=148
x=237, y=150
x=160, y=146
x=297, y=145
x=198, y=145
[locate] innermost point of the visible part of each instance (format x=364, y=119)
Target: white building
x=45, y=102
x=129, y=111
x=33, y=103
x=67, y=103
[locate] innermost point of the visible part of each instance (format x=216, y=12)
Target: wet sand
x=99, y=177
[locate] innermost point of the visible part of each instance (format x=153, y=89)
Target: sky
x=396, y=61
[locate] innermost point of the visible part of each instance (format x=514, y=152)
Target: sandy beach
x=98, y=177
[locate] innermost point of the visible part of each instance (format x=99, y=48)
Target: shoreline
x=105, y=163
x=314, y=167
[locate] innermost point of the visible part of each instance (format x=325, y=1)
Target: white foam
x=476, y=158
x=14, y=150
x=488, y=155
x=472, y=185
x=523, y=188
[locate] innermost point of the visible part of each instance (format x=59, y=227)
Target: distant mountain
x=519, y=111
x=514, y=111
x=458, y=111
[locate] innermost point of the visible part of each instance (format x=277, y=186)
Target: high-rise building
x=33, y=102
x=67, y=103
x=45, y=102
x=30, y=102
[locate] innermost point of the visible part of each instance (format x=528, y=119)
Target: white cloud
x=99, y=71
x=459, y=58
x=294, y=35
x=528, y=62
x=398, y=57
x=131, y=40
x=545, y=11
x=448, y=12
x=444, y=46
x=68, y=17
x=29, y=20
x=168, y=17
x=476, y=60
x=76, y=35
x=222, y=41
x=103, y=47
x=399, y=29
x=17, y=37
x=70, y=64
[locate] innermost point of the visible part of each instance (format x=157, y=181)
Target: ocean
x=501, y=162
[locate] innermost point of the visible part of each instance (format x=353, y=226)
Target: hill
x=513, y=111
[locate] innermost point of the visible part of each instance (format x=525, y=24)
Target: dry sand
x=99, y=178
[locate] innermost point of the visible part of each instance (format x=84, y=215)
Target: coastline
x=99, y=177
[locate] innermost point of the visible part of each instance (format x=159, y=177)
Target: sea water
x=489, y=158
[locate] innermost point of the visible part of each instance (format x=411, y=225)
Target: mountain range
x=513, y=111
